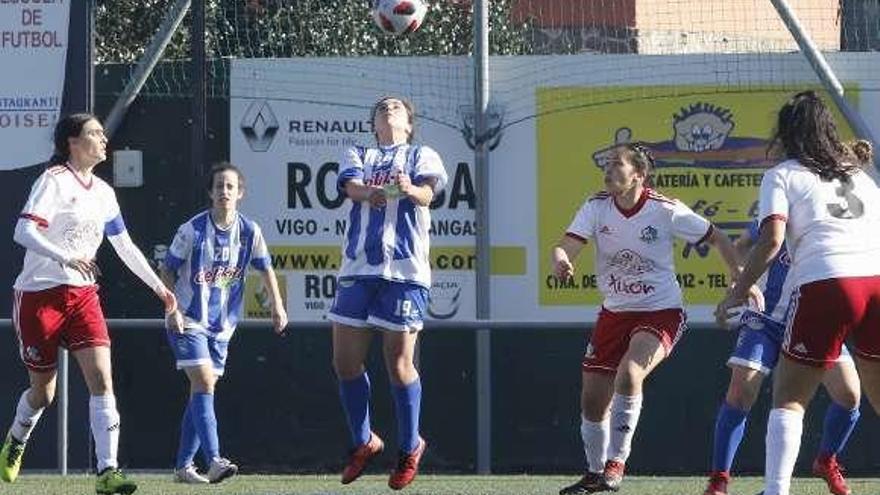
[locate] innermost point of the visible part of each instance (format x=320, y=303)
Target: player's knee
x=741, y=396
x=201, y=387
x=346, y=369
x=40, y=397
x=402, y=371
x=629, y=379
x=100, y=383
x=848, y=399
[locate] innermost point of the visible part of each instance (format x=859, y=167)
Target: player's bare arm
x=358, y=191
x=422, y=194
x=173, y=318
x=566, y=251
x=766, y=248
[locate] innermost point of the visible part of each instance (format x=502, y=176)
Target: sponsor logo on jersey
x=629, y=262
x=630, y=287
x=218, y=276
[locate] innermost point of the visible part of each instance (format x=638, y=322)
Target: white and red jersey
x=634, y=248
x=73, y=215
x=831, y=227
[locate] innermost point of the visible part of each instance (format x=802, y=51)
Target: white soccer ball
x=399, y=16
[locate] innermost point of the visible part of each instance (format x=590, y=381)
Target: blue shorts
x=196, y=347
x=376, y=302
x=759, y=343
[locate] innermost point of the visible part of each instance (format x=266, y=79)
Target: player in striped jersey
x=67, y=215
x=642, y=316
x=755, y=356
x=826, y=209
x=206, y=266
x=384, y=281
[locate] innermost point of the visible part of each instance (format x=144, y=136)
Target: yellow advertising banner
x=256, y=296
x=710, y=151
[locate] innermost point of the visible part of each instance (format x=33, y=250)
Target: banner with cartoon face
x=710, y=151
x=550, y=133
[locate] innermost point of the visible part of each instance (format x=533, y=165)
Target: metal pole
x=145, y=67
x=199, y=90
x=483, y=273
x=79, y=96
x=823, y=70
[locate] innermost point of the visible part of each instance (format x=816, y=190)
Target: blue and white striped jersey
x=211, y=264
x=391, y=242
x=775, y=283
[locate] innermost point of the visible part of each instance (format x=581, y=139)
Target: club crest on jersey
x=649, y=234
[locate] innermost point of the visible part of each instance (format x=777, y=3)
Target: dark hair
x=67, y=127
x=638, y=155
x=221, y=167
x=410, y=111
x=805, y=131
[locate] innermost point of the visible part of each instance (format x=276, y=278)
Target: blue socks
x=189, y=440
x=204, y=421
x=355, y=394
x=839, y=425
x=730, y=425
x=407, y=402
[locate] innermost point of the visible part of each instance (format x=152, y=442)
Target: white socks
x=625, y=411
x=784, y=428
x=595, y=437
x=26, y=418
x=104, y=420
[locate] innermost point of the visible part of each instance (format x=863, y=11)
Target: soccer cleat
x=718, y=481
x=613, y=475
x=10, y=458
x=189, y=475
x=407, y=467
x=221, y=468
x=111, y=481
x=590, y=483
x=828, y=469
x=361, y=457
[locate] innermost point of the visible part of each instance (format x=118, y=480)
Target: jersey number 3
x=854, y=207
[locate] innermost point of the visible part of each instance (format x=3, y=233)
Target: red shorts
x=824, y=313
x=63, y=315
x=614, y=329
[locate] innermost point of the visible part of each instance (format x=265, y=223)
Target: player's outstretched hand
x=404, y=184
x=729, y=307
x=756, y=297
x=377, y=198
x=279, y=320
x=564, y=269
x=173, y=318
x=87, y=267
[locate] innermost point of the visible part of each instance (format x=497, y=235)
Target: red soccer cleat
x=828, y=469
x=613, y=475
x=718, y=481
x=361, y=457
x=407, y=467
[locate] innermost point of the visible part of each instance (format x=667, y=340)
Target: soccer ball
x=399, y=16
